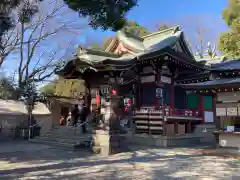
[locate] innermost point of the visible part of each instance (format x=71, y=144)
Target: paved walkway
x=40, y=162
x=20, y=146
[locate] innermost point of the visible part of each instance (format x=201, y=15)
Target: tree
x=49, y=89
x=229, y=42
x=37, y=61
x=7, y=21
x=7, y=88
x=64, y=87
x=104, y=14
x=132, y=27
x=162, y=27
x=96, y=46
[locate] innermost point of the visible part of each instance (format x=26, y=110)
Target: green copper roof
x=141, y=47
x=213, y=83
x=154, y=38
x=95, y=56
x=131, y=41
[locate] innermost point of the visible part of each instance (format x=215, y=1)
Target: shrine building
x=170, y=104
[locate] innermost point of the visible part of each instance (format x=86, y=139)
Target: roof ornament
x=176, y=29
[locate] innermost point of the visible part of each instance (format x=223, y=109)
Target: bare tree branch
x=29, y=39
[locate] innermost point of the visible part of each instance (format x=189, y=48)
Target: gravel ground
x=42, y=162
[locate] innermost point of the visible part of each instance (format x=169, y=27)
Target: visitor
x=62, y=121
x=83, y=117
x=75, y=115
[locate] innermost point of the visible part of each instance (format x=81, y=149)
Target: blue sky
x=188, y=13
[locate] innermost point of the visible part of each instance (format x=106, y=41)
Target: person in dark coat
x=83, y=117
x=75, y=114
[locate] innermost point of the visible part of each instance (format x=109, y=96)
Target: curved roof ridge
x=130, y=40
x=173, y=29
x=82, y=51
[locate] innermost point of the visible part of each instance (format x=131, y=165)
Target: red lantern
x=98, y=98
x=129, y=101
x=126, y=109
x=114, y=92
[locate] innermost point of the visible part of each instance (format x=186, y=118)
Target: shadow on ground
x=140, y=164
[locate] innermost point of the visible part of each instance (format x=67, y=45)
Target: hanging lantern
x=126, y=109
x=98, y=97
x=114, y=92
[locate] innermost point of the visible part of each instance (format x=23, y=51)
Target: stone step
x=68, y=136
x=71, y=128
x=65, y=138
x=61, y=145
x=50, y=133
x=72, y=141
x=68, y=131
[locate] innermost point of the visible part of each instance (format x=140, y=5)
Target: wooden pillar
x=138, y=86
x=138, y=92
x=189, y=127
x=172, y=70
x=200, y=106
x=214, y=102
x=164, y=126
x=176, y=127
x=172, y=104
x=87, y=97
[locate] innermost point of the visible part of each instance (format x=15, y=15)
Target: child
x=62, y=121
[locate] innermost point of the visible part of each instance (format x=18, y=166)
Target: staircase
x=65, y=137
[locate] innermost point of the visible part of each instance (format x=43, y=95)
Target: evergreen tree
x=103, y=13
x=229, y=42
x=64, y=88
x=7, y=88
x=132, y=27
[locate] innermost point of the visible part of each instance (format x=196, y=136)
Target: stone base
x=229, y=150
x=109, y=143
x=164, y=141
x=206, y=132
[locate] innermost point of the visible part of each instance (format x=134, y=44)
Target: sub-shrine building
x=153, y=72
x=224, y=85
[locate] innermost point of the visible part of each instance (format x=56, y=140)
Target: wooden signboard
x=232, y=111
x=221, y=111
x=145, y=79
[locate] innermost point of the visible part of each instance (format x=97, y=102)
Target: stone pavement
x=19, y=146
x=40, y=162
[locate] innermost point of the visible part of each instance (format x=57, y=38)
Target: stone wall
x=9, y=122
x=206, y=132
x=163, y=141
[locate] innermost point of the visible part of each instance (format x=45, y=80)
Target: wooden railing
x=148, y=121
